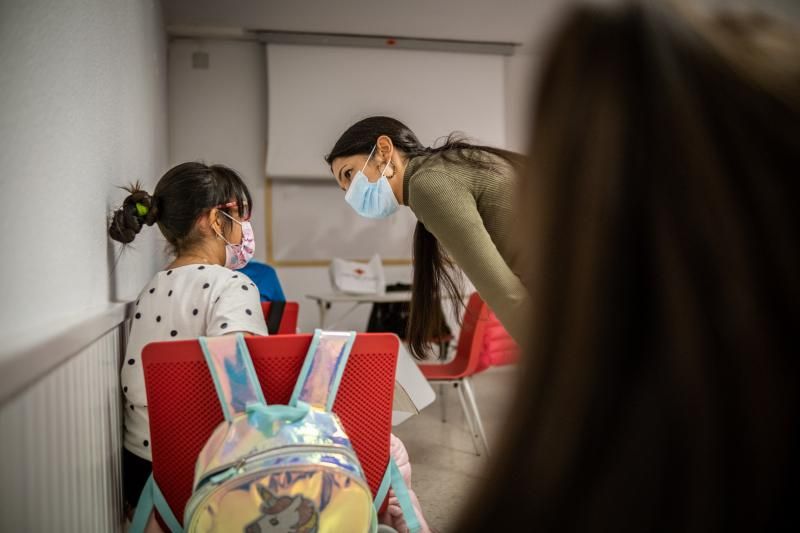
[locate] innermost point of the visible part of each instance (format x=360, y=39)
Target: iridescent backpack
x=277, y=468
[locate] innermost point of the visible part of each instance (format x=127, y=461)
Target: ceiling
x=523, y=22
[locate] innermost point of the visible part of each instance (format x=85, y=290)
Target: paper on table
x=412, y=392
x=402, y=401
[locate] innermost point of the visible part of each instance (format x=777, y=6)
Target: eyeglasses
x=245, y=211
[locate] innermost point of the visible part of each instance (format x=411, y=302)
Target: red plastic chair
x=288, y=325
x=184, y=408
x=498, y=347
x=483, y=342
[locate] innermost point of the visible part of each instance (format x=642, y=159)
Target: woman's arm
x=448, y=210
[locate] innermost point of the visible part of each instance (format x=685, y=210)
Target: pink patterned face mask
x=238, y=255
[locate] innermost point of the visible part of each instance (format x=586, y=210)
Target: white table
x=325, y=300
x=407, y=375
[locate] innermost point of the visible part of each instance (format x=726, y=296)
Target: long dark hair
x=661, y=390
x=434, y=272
x=182, y=194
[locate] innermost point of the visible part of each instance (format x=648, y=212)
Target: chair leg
x=471, y=416
x=468, y=415
x=470, y=392
x=443, y=401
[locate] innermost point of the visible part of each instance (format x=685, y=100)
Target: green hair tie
x=141, y=209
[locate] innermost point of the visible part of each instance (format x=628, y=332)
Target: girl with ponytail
x=203, y=213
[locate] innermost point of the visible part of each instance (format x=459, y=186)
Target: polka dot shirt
x=182, y=303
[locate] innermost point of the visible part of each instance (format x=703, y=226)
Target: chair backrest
x=288, y=325
x=470, y=340
x=184, y=409
x=498, y=347
x=483, y=342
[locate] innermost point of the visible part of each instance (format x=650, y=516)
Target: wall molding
x=342, y=39
x=385, y=41
x=29, y=364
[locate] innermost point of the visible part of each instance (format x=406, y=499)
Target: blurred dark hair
x=660, y=391
x=433, y=269
x=184, y=193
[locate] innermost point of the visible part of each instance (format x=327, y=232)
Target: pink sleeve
x=400, y=456
x=394, y=515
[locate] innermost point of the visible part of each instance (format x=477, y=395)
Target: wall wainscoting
x=60, y=450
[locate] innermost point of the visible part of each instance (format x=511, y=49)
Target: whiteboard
x=311, y=222
x=317, y=92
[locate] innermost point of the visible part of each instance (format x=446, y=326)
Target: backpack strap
x=401, y=491
x=234, y=375
x=322, y=370
x=151, y=498
x=274, y=316
x=394, y=479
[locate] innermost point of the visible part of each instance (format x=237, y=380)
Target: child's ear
x=204, y=225
x=210, y=221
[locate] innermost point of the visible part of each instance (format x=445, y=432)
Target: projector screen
x=316, y=92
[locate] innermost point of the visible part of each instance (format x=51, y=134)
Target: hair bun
x=145, y=206
x=137, y=210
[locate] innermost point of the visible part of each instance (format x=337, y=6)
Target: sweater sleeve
x=450, y=212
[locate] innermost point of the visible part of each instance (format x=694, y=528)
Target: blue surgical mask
x=371, y=200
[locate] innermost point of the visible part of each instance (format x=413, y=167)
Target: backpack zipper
x=231, y=469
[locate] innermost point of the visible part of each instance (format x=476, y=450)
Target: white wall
x=82, y=110
x=520, y=76
x=83, y=103
x=218, y=115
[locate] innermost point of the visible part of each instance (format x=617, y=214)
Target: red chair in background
x=288, y=325
x=483, y=342
x=184, y=409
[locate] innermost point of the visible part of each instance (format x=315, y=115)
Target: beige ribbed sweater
x=470, y=212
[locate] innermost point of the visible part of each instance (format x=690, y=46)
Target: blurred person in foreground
x=660, y=391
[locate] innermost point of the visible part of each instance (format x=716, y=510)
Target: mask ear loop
x=220, y=234
x=383, y=172
x=368, y=158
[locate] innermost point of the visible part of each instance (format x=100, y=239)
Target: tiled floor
x=445, y=467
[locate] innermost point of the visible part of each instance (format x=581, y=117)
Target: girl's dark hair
x=661, y=388
x=433, y=269
x=184, y=193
